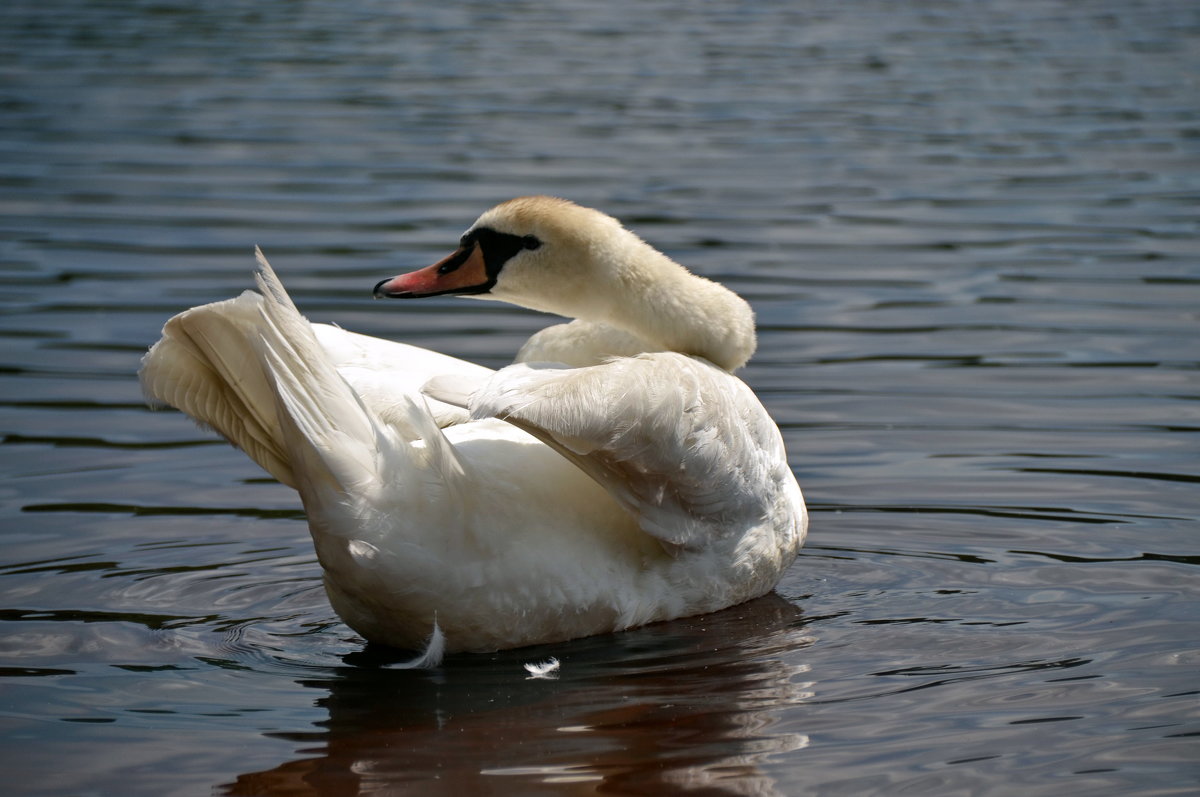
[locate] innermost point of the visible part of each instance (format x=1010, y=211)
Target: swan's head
x=553, y=255
x=538, y=252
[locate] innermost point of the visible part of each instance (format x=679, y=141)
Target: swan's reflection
x=684, y=707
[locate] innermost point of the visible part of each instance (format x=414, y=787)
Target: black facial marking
x=498, y=248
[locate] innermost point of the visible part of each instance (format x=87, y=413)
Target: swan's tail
x=251, y=368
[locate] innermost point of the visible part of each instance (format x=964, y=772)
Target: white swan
x=635, y=480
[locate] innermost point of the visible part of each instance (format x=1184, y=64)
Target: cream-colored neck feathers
x=591, y=268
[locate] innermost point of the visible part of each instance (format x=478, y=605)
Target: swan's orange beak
x=462, y=273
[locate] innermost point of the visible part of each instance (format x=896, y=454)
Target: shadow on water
x=683, y=707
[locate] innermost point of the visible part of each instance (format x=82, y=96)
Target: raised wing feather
x=685, y=446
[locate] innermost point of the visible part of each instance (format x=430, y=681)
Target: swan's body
x=635, y=480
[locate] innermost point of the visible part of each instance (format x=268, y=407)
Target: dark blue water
x=970, y=230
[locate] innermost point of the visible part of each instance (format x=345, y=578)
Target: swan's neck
x=660, y=301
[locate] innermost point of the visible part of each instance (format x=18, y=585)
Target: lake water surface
x=970, y=231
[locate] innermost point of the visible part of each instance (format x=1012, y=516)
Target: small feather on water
x=546, y=669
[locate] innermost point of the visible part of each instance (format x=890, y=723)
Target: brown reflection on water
x=685, y=707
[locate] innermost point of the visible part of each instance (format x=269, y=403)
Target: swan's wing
x=384, y=372
x=302, y=400
x=685, y=446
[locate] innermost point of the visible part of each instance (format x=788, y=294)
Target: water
x=970, y=232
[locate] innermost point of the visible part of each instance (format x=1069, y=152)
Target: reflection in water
x=684, y=707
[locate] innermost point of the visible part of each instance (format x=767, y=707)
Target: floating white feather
x=546, y=670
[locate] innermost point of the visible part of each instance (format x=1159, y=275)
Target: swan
x=616, y=474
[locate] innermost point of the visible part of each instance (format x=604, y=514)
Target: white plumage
x=634, y=479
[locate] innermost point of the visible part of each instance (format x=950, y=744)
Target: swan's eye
x=455, y=261
x=530, y=242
